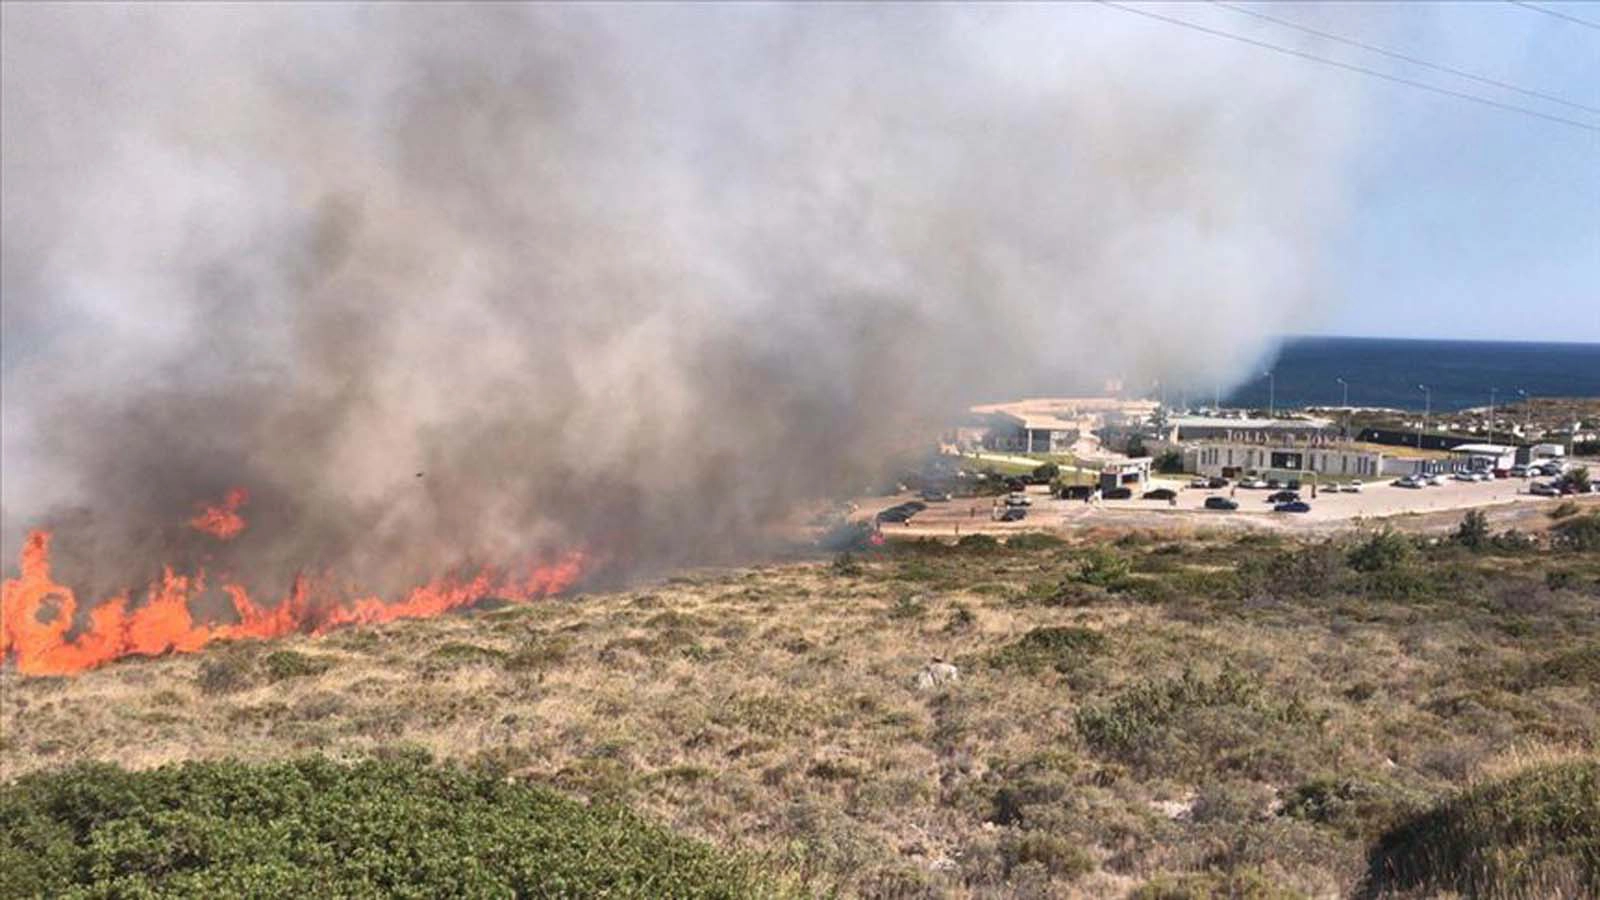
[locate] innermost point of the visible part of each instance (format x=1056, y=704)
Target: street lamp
x=1526, y=423
x=1427, y=407
x=1272, y=395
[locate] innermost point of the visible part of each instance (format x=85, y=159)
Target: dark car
x=1014, y=514
x=1294, y=506
x=1221, y=503
x=1160, y=494
x=1274, y=483
x=935, y=496
x=1076, y=491
x=1118, y=494
x=1283, y=497
x=1218, y=482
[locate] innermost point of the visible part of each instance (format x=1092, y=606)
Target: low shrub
x=1580, y=533
x=313, y=827
x=1063, y=648
x=281, y=664
x=1533, y=834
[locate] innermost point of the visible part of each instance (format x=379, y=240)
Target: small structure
x=1134, y=473
x=1484, y=457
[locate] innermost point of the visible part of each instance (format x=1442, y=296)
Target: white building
x=1483, y=457
x=1230, y=460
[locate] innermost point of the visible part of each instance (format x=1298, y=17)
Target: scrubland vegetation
x=1133, y=715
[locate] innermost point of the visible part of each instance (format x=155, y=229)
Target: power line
x=1403, y=57
x=1560, y=15
x=1352, y=68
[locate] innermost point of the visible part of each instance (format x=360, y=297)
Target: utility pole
x=1272, y=395
x=1526, y=422
x=1427, y=407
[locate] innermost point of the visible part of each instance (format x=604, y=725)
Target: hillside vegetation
x=1134, y=715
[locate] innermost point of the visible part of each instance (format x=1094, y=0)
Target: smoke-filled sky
x=628, y=277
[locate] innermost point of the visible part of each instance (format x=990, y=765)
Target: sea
x=1388, y=372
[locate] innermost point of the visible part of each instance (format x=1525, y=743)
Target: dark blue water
x=1386, y=372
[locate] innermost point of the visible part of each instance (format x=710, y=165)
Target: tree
x=1046, y=472
x=1579, y=479
x=1473, y=532
x=1170, y=462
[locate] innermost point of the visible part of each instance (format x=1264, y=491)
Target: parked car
x=1283, y=497
x=1519, y=471
x=1011, y=514
x=1119, y=493
x=1544, y=489
x=1353, y=487
x=1297, y=506
x=1217, y=483
x=1407, y=481
x=1221, y=503
x=1199, y=482
x=1252, y=483
x=1160, y=494
x=1018, y=499
x=1274, y=483
x=933, y=496
x=1437, y=479
x=1076, y=491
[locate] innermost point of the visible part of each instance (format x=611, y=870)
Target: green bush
x=1473, y=532
x=1382, y=551
x=1103, y=568
x=281, y=664
x=1062, y=648
x=1138, y=715
x=1578, y=533
x=1533, y=834
x=313, y=827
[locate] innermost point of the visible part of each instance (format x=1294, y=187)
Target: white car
x=1199, y=482
x=1408, y=481
x=1353, y=487
x=1466, y=476
x=1253, y=483
x=1437, y=479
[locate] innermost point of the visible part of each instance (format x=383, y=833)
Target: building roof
x=1483, y=449
x=1247, y=423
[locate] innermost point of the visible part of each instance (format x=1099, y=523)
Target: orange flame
x=223, y=521
x=37, y=614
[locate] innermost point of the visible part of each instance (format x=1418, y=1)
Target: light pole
x=1525, y=412
x=1272, y=395
x=1346, y=385
x=1491, y=414
x=1427, y=407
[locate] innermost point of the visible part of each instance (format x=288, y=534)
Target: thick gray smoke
x=633, y=278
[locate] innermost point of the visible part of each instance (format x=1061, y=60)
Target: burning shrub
x=285, y=829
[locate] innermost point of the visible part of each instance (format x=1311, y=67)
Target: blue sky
x=1464, y=221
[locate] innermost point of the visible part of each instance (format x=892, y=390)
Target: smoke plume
x=444, y=284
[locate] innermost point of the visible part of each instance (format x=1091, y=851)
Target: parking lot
x=1376, y=500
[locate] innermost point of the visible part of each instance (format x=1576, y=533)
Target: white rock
x=936, y=674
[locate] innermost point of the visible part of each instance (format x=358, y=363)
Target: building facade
x=1230, y=460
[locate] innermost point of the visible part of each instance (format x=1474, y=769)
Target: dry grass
x=1182, y=729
